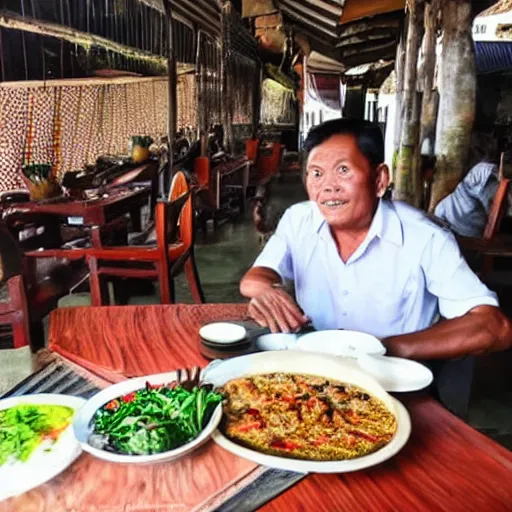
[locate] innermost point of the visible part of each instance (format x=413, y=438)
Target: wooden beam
x=407, y=180
x=457, y=98
x=355, y=9
x=15, y=21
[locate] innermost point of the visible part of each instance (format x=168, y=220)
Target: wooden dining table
x=446, y=465
x=95, y=212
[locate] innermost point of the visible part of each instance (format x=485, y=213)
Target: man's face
x=343, y=183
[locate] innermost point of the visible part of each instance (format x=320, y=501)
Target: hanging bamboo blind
x=70, y=125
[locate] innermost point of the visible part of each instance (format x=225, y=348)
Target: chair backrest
x=202, y=171
x=251, y=149
x=11, y=257
x=269, y=164
x=498, y=207
x=180, y=187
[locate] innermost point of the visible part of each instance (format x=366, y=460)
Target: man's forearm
x=257, y=281
x=483, y=329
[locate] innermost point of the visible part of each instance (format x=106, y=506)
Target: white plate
x=223, y=332
x=276, y=341
x=341, y=343
x=313, y=364
x=396, y=374
x=82, y=428
x=19, y=477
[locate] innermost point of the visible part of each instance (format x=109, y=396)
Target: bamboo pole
x=457, y=98
x=407, y=179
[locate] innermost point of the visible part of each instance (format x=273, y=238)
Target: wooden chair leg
x=99, y=297
x=20, y=327
x=166, y=284
x=37, y=337
x=193, y=280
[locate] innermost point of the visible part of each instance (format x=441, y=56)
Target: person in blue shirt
x=360, y=262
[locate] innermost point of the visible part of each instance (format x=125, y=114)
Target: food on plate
x=24, y=427
x=305, y=417
x=153, y=420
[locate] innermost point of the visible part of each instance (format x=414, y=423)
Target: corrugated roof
x=363, y=41
x=493, y=56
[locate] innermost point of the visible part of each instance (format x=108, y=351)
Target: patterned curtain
x=69, y=126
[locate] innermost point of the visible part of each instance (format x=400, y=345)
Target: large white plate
x=312, y=364
x=19, y=477
x=396, y=374
x=82, y=423
x=341, y=343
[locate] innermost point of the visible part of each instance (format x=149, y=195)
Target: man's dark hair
x=368, y=137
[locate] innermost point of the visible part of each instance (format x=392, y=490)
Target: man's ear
x=381, y=180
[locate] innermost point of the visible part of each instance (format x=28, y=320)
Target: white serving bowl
x=82, y=423
x=341, y=343
x=299, y=362
x=276, y=341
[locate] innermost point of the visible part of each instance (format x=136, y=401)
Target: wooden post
x=457, y=98
x=256, y=100
x=399, y=74
x=407, y=179
x=172, y=97
x=202, y=124
x=227, y=72
x=355, y=99
x=430, y=100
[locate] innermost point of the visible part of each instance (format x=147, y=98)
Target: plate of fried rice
x=306, y=412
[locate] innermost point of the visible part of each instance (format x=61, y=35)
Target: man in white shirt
x=466, y=209
x=360, y=262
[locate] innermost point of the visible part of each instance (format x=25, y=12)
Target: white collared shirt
x=406, y=272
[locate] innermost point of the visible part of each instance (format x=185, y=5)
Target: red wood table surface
x=446, y=465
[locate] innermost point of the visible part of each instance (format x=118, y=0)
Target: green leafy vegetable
x=24, y=427
x=154, y=420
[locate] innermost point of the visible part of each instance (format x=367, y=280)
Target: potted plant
x=140, y=148
x=41, y=181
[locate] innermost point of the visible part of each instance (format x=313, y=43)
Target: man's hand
x=277, y=310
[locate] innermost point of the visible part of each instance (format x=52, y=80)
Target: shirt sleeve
x=450, y=279
x=277, y=254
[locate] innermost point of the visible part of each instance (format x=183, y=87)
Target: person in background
x=466, y=210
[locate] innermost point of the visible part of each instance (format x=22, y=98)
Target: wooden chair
x=161, y=261
x=13, y=300
x=31, y=288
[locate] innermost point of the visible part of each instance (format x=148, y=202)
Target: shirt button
x=344, y=292
x=345, y=313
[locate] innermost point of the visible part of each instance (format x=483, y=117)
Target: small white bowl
x=277, y=341
x=223, y=332
x=82, y=424
x=341, y=343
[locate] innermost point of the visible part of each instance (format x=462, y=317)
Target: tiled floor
x=222, y=259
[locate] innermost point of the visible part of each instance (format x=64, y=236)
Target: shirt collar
x=385, y=225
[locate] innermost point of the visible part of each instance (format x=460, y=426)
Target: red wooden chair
x=269, y=162
x=160, y=261
x=13, y=300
